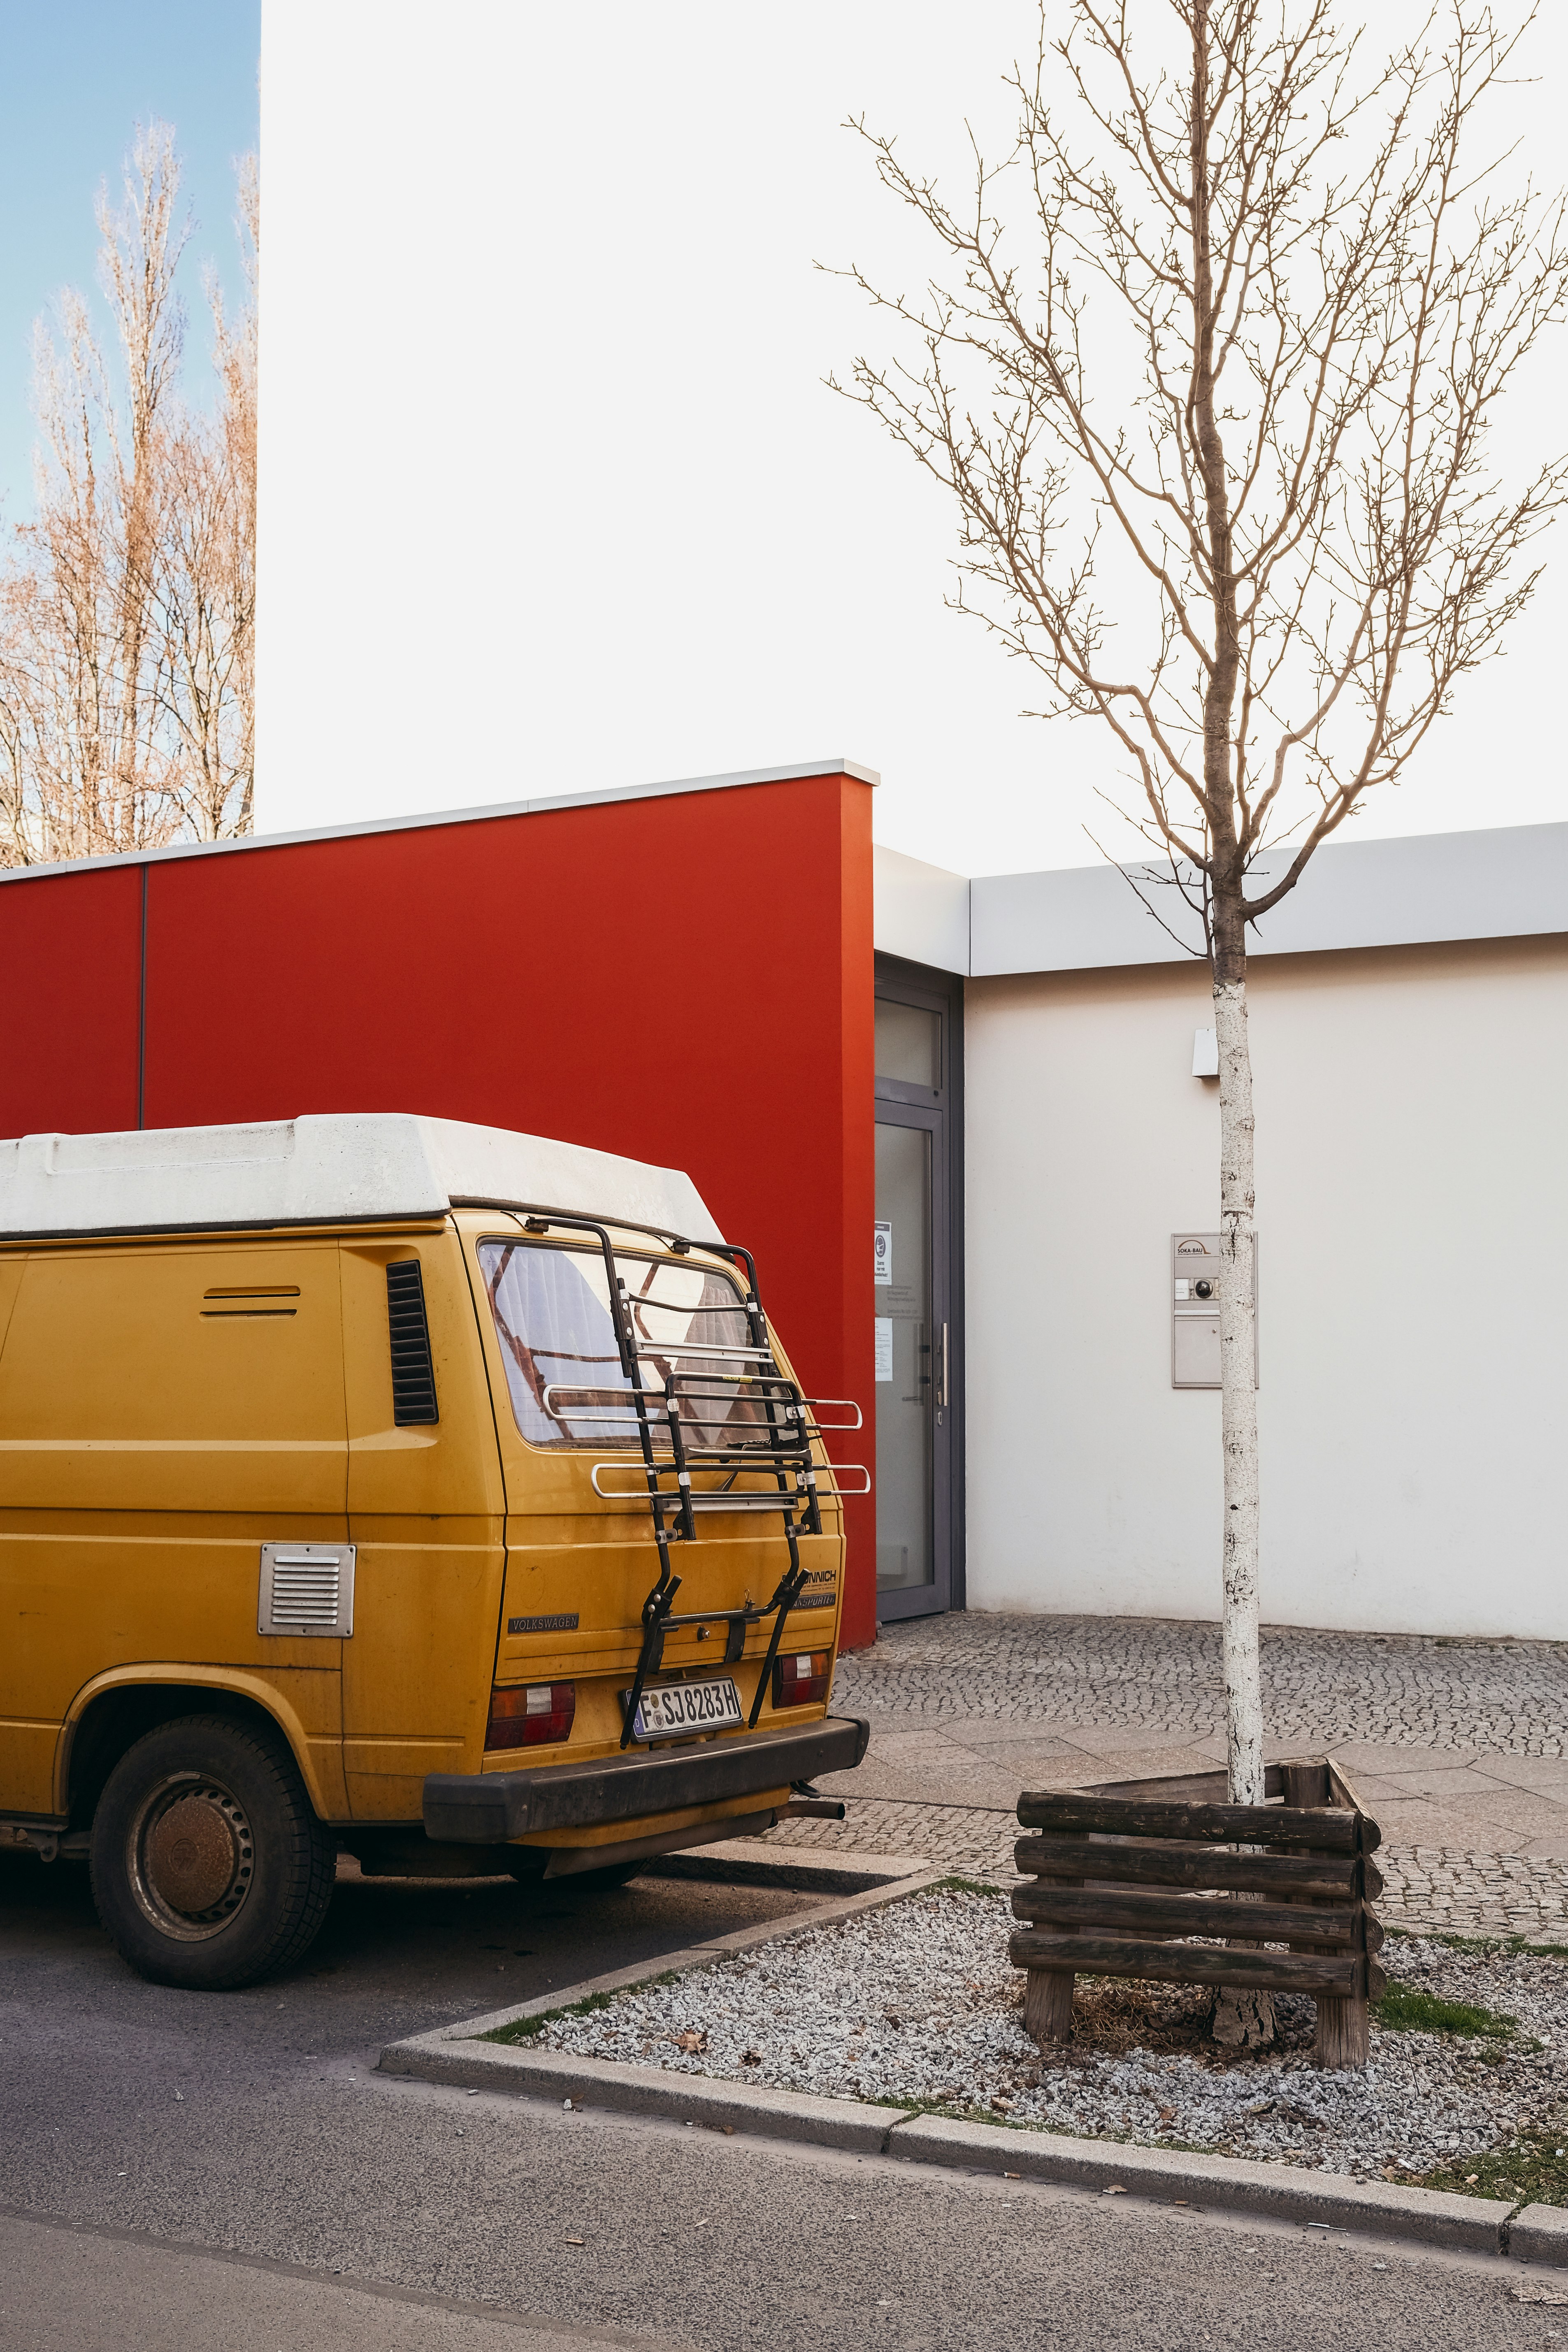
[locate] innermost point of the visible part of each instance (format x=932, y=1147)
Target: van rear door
x=581, y=1563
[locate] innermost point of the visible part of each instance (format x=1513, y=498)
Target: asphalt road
x=227, y=2173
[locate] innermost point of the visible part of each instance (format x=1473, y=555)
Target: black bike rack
x=788, y=1421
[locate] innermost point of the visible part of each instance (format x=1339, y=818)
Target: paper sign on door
x=884, y=1347
x=884, y=1232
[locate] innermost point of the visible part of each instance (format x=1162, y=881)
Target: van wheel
x=209, y=1867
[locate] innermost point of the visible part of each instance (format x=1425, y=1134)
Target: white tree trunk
x=1241, y=2018
x=1238, y=1400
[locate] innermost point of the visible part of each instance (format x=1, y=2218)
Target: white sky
x=553, y=495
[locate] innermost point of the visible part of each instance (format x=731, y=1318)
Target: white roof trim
x=1414, y=889
x=326, y=1170
x=733, y=783
x=920, y=911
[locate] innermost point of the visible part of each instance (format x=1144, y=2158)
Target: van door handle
x=941, y=1391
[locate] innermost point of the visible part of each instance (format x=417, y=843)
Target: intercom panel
x=1195, y=1267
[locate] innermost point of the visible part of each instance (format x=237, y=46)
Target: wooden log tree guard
x=1120, y=1875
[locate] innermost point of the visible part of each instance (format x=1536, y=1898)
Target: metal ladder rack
x=787, y=1423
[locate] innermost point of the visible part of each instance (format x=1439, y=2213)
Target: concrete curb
x=650, y=2091
x=1540, y=2234
x=1283, y=2191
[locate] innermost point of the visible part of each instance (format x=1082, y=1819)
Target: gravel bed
x=917, y=2003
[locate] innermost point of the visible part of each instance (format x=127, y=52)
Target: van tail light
x=530, y=1715
x=802, y=1680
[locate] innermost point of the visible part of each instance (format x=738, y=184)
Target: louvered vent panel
x=307, y=1589
x=413, y=1373
x=305, y=1592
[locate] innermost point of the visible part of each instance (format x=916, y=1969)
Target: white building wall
x=1413, y=1215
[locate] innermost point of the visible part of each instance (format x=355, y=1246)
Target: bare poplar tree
x=1220, y=452
x=127, y=610
x=205, y=574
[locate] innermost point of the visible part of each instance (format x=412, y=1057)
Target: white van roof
x=324, y=1170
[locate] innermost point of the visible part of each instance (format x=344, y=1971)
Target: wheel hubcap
x=191, y=1857
x=192, y=1853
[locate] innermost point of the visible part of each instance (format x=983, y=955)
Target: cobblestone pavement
x=1458, y=1747
x=1319, y=1690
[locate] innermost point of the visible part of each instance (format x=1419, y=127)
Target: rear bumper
x=487, y=1808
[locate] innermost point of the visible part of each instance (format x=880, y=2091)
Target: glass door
x=914, y=1366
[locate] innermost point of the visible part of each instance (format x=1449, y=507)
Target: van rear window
x=551, y=1316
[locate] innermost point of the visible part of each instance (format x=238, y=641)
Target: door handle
x=942, y=1390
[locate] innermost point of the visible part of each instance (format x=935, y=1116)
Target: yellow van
x=423, y=1490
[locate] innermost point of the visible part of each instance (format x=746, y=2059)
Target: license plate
x=674, y=1710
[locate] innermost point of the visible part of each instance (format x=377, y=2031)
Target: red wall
x=70, y=960
x=685, y=979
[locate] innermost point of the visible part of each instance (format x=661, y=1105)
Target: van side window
x=552, y=1318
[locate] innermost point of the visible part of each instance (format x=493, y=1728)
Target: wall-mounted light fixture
x=1205, y=1054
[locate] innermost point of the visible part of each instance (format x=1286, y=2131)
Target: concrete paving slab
x=1493, y=1821
x=1422, y=1821
x=1026, y=1765
x=932, y=1744
x=1444, y=1779
x=1378, y=1795
x=1544, y=1776
x=990, y=1734
x=1523, y=1816
x=1109, y=1763
x=963, y=1778
x=1553, y=1848
x=876, y=1780
x=1355, y=1757
x=1114, y=1738
x=1286, y=2191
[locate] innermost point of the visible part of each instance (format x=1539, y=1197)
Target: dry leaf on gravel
x=1530, y=2291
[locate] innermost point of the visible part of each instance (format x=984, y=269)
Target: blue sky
x=75, y=75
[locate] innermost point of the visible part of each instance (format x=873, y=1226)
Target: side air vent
x=307, y=1589
x=413, y=1374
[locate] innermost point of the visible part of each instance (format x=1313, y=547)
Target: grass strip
x=1405, y=2009
x=525, y=2029
x=1533, y=2169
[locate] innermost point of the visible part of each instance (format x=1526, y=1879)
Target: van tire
x=210, y=1869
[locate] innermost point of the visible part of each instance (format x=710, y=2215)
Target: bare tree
x=1240, y=510
x=205, y=575
x=127, y=610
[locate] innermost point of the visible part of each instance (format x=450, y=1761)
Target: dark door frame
x=942, y=992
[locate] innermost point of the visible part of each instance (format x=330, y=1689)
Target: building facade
x=959, y=1123
x=1409, y=1028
